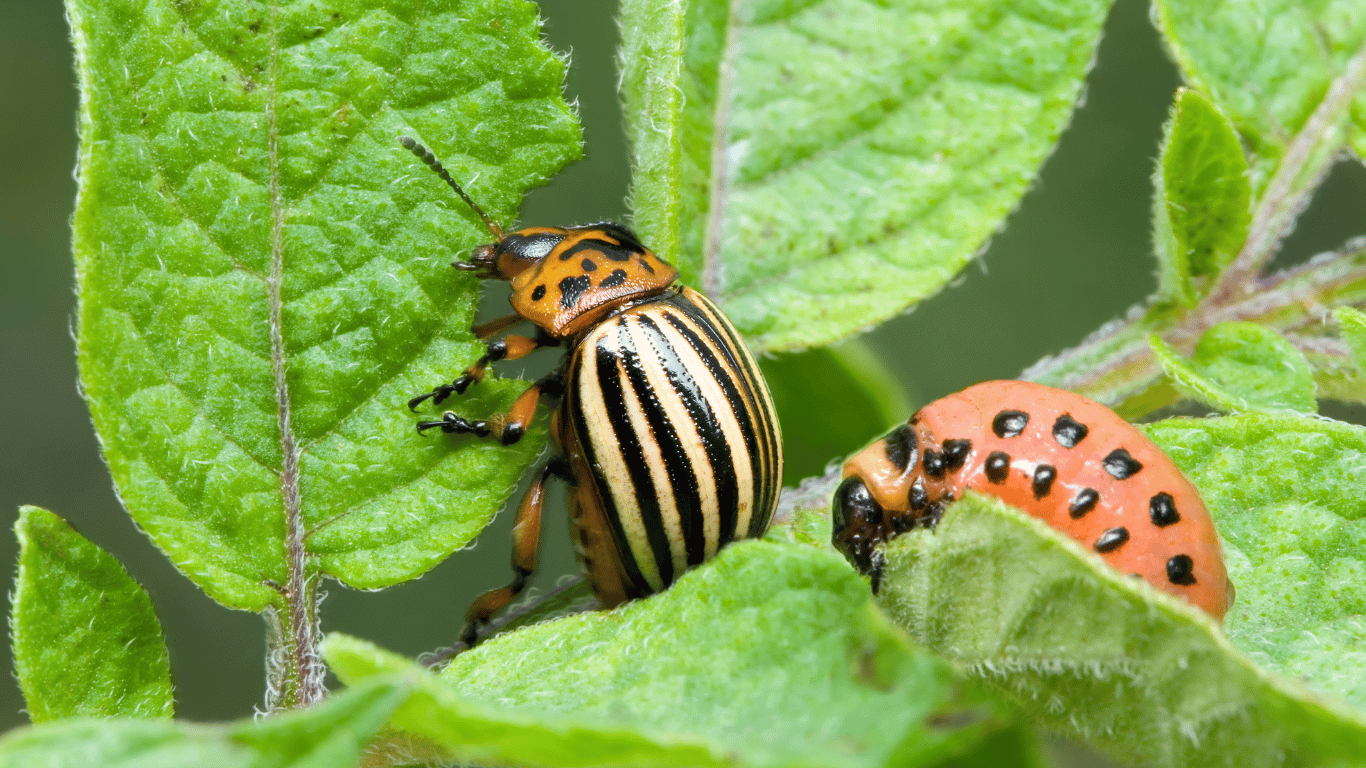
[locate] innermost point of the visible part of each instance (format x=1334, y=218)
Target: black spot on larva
x=538, y=292
x=1068, y=431
x=588, y=265
x=900, y=447
x=645, y=265
x=1162, y=510
x=934, y=463
x=571, y=288
x=1085, y=501
x=917, y=497
x=956, y=452
x=617, y=254
x=1009, y=423
x=998, y=466
x=1112, y=539
x=617, y=277
x=1044, y=475
x=1179, y=570
x=1121, y=465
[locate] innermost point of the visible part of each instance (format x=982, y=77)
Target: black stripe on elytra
x=727, y=341
x=739, y=411
x=628, y=446
x=709, y=430
x=677, y=466
x=651, y=514
x=767, y=478
x=607, y=370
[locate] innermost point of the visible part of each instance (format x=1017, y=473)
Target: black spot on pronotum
x=900, y=447
x=998, y=466
x=617, y=254
x=1009, y=423
x=1179, y=570
x=588, y=265
x=1085, y=501
x=956, y=453
x=571, y=288
x=1162, y=510
x=1042, y=484
x=917, y=497
x=1121, y=465
x=538, y=292
x=1068, y=431
x=934, y=463
x=645, y=265
x=617, y=277
x=1112, y=539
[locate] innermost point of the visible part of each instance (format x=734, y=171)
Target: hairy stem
x=294, y=668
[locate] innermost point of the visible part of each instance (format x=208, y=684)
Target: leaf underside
x=768, y=655
x=263, y=271
x=1091, y=652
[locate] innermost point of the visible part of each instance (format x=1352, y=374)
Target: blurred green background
x=1073, y=256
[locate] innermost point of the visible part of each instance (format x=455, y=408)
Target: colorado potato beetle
x=1065, y=459
x=665, y=429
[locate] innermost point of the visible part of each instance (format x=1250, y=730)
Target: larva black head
x=856, y=523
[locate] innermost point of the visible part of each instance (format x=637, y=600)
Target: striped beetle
x=665, y=428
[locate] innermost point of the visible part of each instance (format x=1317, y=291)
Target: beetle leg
x=509, y=348
x=507, y=428
x=485, y=330
x=526, y=538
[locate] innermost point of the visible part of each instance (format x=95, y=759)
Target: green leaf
x=87, y=641
x=768, y=655
x=1353, y=325
x=1242, y=367
x=837, y=161
x=1202, y=196
x=831, y=401
x=1094, y=653
x=327, y=736
x=1286, y=492
x=1269, y=65
x=263, y=272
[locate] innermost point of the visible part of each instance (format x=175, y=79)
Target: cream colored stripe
x=610, y=460
x=743, y=463
x=760, y=403
x=688, y=437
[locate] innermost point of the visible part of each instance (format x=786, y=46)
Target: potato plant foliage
x=263, y=282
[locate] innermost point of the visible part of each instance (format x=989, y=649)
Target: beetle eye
x=529, y=248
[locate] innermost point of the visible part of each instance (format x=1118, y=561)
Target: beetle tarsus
x=452, y=423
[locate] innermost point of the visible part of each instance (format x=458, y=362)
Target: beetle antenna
x=427, y=157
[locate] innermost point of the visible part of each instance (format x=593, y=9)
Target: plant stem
x=1115, y=365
